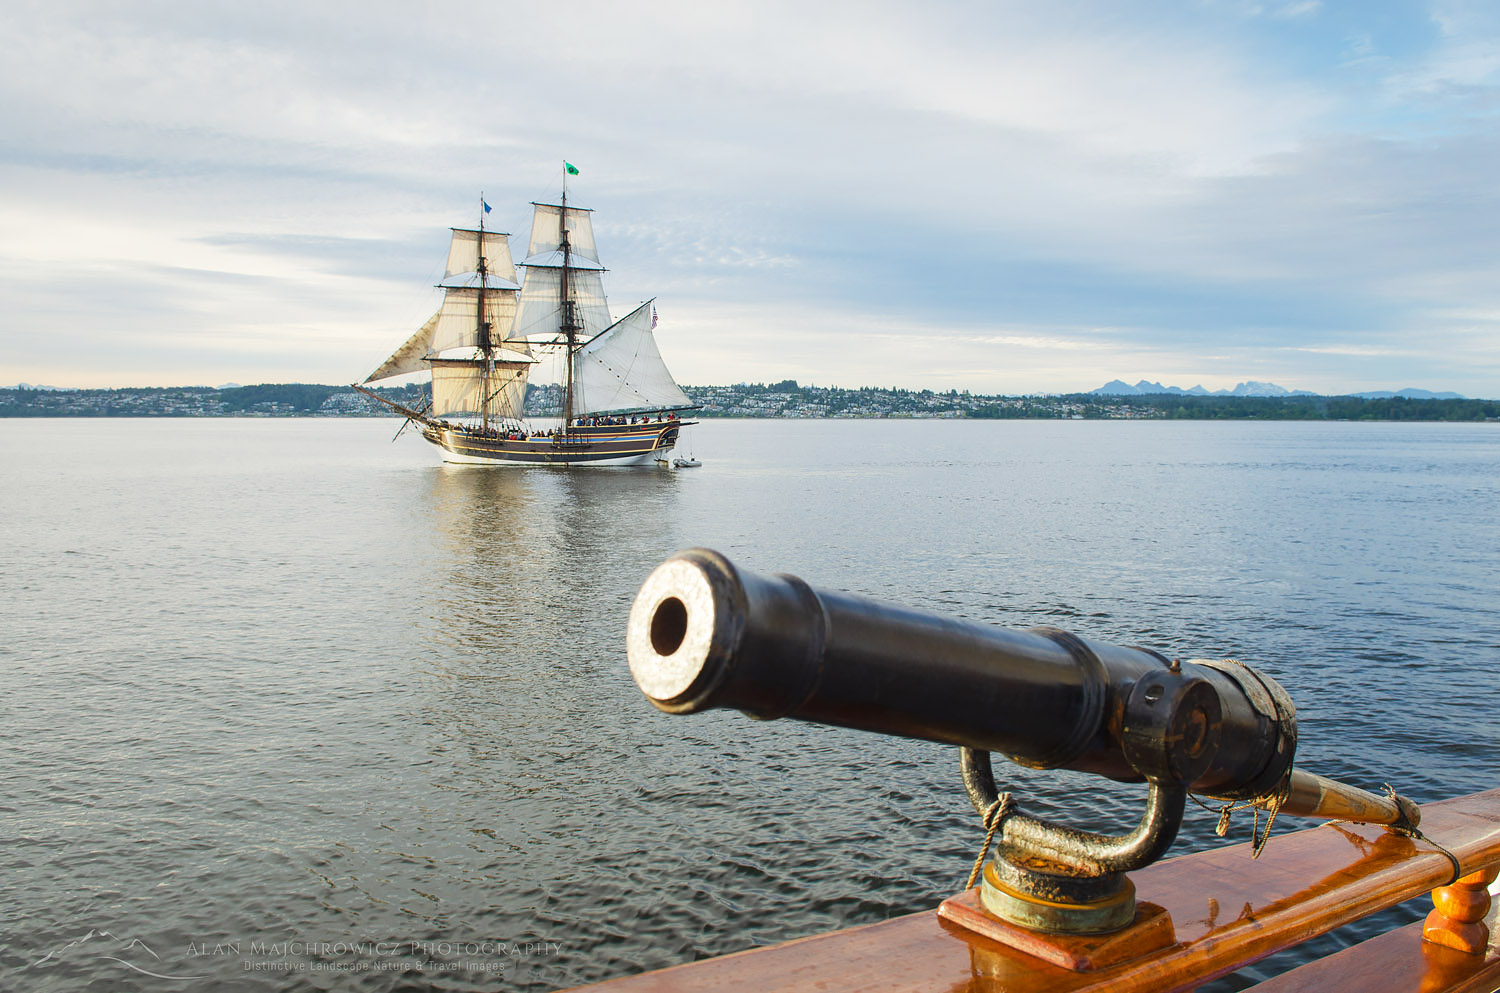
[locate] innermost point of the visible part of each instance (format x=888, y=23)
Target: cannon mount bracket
x=1060, y=880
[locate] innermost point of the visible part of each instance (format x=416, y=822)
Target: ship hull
x=596, y=445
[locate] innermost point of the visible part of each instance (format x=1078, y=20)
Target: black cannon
x=703, y=634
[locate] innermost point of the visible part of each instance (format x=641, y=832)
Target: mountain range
x=1253, y=388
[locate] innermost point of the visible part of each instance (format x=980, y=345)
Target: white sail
x=547, y=223
x=458, y=321
x=621, y=370
x=540, y=310
x=408, y=358
x=463, y=259
x=458, y=388
x=456, y=325
x=508, y=389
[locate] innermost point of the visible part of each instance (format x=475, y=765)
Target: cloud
x=1003, y=189
x=1362, y=351
x=1306, y=8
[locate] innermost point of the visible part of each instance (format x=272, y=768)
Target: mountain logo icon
x=105, y=944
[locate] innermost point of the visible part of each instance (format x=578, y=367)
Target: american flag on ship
x=653, y=317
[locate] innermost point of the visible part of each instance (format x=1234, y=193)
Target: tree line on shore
x=304, y=399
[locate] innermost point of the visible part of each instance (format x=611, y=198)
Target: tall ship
x=620, y=405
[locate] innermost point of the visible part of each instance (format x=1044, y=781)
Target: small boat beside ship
x=620, y=404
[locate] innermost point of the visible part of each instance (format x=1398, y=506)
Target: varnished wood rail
x=1224, y=911
x=1408, y=960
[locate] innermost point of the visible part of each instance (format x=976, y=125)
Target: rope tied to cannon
x=1270, y=802
x=993, y=817
x=1406, y=828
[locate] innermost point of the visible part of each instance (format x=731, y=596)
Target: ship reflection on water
x=533, y=566
x=546, y=542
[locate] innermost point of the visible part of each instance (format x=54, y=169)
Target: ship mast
x=570, y=327
x=486, y=344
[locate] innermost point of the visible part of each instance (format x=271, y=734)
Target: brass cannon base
x=1149, y=931
x=1079, y=923
x=1030, y=893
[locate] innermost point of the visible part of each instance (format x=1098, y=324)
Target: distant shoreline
x=784, y=400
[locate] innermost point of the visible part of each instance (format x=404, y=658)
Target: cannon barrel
x=704, y=634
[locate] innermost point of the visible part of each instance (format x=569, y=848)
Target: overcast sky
x=1003, y=197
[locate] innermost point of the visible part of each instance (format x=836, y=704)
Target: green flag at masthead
x=570, y=168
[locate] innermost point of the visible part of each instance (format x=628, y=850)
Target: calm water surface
x=284, y=706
